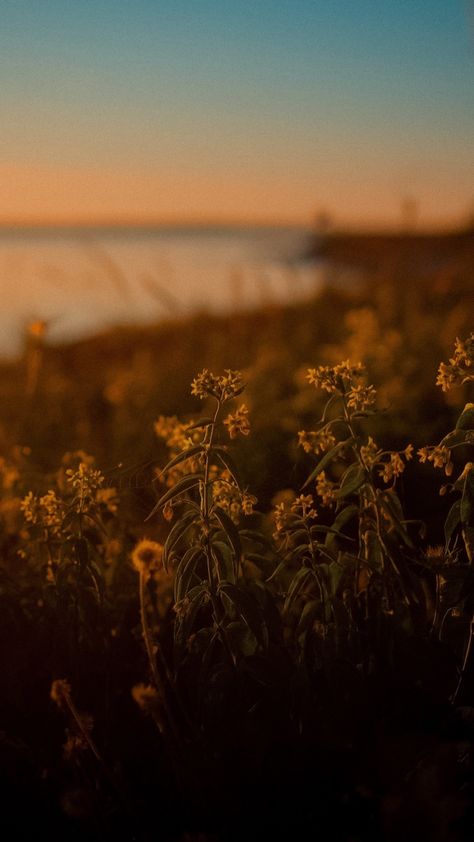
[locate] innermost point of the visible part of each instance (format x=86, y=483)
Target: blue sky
x=331, y=103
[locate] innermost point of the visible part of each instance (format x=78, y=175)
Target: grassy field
x=236, y=574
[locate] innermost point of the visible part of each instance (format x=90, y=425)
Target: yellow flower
x=459, y=368
x=238, y=422
x=361, y=397
x=316, y=441
x=408, y=452
x=223, y=387
x=29, y=506
x=280, y=516
x=60, y=691
x=248, y=502
x=334, y=378
x=146, y=697
x=303, y=505
x=147, y=555
x=325, y=489
x=393, y=468
x=370, y=452
x=439, y=455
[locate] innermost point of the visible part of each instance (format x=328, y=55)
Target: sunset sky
x=222, y=110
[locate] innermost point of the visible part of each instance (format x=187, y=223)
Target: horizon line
x=155, y=223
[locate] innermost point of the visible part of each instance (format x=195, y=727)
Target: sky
x=236, y=110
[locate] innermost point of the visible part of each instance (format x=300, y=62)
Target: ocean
x=82, y=281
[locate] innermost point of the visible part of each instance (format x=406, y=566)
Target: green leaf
x=224, y=561
x=298, y=551
x=247, y=606
x=374, y=552
x=243, y=641
x=467, y=500
x=326, y=459
x=307, y=616
x=300, y=535
x=393, y=501
x=185, y=571
x=176, y=534
x=344, y=516
x=335, y=574
x=466, y=419
x=181, y=457
x=353, y=479
x=255, y=536
x=468, y=538
x=467, y=514
x=322, y=529
x=185, y=622
x=452, y=521
x=281, y=566
x=297, y=583
x=224, y=456
x=258, y=559
x=393, y=507
x=202, y=422
x=231, y=531
x=81, y=549
x=70, y=517
x=184, y=484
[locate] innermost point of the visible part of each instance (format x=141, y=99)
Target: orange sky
x=61, y=194
x=225, y=111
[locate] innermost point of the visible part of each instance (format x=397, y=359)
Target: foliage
x=307, y=630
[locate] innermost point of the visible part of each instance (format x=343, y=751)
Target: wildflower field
x=236, y=581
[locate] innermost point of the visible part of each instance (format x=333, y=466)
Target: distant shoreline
x=152, y=227
x=32, y=228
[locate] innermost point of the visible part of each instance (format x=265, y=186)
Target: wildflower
x=459, y=368
x=248, y=502
x=175, y=433
x=303, y=505
x=225, y=492
x=85, y=482
x=29, y=506
x=52, y=512
x=230, y=384
x=408, y=452
x=370, y=453
x=435, y=554
x=60, y=691
x=280, y=516
x=316, y=441
x=147, y=555
x=439, y=455
x=238, y=422
x=206, y=384
x=334, y=378
x=47, y=511
x=361, y=397
x=180, y=608
x=325, y=489
x=146, y=697
x=393, y=468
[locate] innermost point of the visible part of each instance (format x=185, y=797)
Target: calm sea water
x=81, y=282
